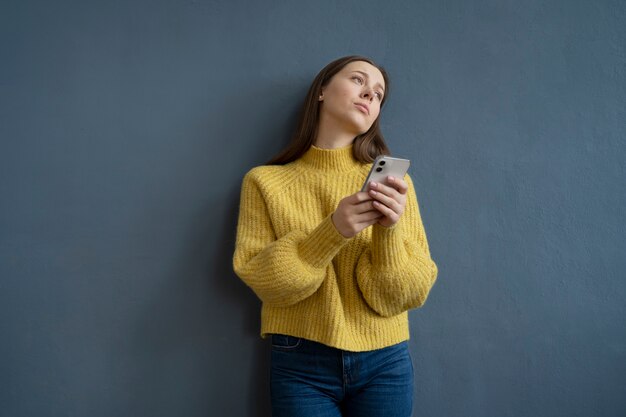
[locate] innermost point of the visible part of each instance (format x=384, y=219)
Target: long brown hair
x=367, y=146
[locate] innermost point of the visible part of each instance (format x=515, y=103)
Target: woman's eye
x=379, y=95
x=358, y=79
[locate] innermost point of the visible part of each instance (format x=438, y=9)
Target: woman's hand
x=354, y=213
x=389, y=199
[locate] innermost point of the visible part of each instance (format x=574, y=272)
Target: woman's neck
x=330, y=138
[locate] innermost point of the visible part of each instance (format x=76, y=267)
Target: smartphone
x=385, y=166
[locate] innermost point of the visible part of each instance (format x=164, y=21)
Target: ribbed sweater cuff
x=322, y=244
x=388, y=249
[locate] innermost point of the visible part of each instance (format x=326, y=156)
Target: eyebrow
x=366, y=75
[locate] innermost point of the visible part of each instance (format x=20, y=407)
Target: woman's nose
x=368, y=94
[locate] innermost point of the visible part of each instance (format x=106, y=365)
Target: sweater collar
x=339, y=159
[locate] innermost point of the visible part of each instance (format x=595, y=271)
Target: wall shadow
x=268, y=139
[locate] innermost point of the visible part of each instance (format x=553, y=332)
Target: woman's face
x=351, y=100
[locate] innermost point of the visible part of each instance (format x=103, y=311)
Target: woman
x=335, y=291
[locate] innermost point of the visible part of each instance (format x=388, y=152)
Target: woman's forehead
x=365, y=67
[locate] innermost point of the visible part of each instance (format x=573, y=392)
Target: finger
x=358, y=198
x=365, y=225
x=370, y=221
x=385, y=189
x=399, y=184
x=364, y=206
x=386, y=211
x=388, y=201
x=372, y=215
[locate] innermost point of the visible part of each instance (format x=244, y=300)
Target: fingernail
x=391, y=178
x=373, y=184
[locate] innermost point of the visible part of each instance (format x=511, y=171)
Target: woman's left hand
x=389, y=199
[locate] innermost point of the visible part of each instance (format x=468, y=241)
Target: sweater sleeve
x=396, y=273
x=281, y=271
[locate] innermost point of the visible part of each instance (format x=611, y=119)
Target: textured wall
x=126, y=127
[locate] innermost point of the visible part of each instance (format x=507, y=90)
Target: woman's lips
x=363, y=108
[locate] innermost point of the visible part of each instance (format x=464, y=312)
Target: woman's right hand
x=354, y=213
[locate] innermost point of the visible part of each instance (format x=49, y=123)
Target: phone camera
x=381, y=163
x=379, y=169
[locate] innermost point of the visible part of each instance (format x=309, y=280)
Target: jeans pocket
x=285, y=342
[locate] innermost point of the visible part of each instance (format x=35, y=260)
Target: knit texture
x=352, y=294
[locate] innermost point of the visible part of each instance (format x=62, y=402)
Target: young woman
x=336, y=269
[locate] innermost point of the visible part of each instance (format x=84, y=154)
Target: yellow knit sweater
x=352, y=294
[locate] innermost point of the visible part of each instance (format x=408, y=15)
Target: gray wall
x=126, y=128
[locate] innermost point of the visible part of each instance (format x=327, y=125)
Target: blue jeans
x=311, y=379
